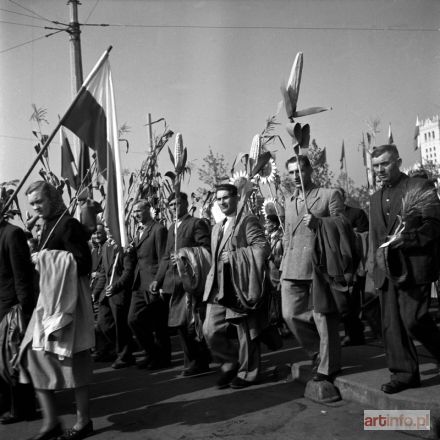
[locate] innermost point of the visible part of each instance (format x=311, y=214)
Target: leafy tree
x=213, y=171
x=322, y=175
x=355, y=196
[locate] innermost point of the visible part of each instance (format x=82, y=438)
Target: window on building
x=426, y=138
x=433, y=135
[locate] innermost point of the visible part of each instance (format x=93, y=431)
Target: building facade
x=429, y=140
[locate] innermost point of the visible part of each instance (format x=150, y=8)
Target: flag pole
x=52, y=135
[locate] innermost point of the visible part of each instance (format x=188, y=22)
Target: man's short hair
x=182, y=196
x=232, y=189
x=53, y=194
x=273, y=218
x=143, y=202
x=303, y=160
x=387, y=148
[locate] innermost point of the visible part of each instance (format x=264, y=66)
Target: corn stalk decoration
x=6, y=190
x=148, y=183
x=179, y=162
x=300, y=135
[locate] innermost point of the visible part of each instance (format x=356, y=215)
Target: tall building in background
x=429, y=140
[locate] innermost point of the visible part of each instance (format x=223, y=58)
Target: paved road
x=135, y=404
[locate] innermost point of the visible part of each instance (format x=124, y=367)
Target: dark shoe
x=158, y=365
x=118, y=364
x=103, y=357
x=238, y=383
x=52, y=434
x=396, y=386
x=349, y=342
x=225, y=378
x=319, y=377
x=78, y=434
x=196, y=370
x=9, y=419
x=143, y=364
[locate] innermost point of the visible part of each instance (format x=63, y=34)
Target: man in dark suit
x=404, y=270
x=191, y=232
x=17, y=402
x=354, y=328
x=112, y=291
x=317, y=332
x=148, y=315
x=232, y=239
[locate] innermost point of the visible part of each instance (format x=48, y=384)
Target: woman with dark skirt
x=55, y=353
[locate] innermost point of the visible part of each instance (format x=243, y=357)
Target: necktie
x=140, y=230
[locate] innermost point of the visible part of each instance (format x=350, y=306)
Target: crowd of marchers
x=68, y=299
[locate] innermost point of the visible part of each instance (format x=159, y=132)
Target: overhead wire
x=313, y=28
x=24, y=15
x=31, y=11
x=31, y=41
x=22, y=24
x=91, y=12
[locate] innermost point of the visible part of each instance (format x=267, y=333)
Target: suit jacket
x=149, y=250
x=16, y=270
x=122, y=275
x=421, y=234
x=357, y=217
x=299, y=240
x=246, y=233
x=192, y=232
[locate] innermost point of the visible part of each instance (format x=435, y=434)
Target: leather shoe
x=396, y=386
x=238, y=383
x=225, y=378
x=349, y=342
x=78, y=434
x=196, y=370
x=9, y=419
x=158, y=365
x=319, y=377
x=144, y=363
x=119, y=363
x=52, y=434
x=103, y=357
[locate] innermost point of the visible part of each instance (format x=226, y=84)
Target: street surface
x=134, y=404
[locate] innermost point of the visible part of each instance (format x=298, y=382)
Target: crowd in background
x=69, y=297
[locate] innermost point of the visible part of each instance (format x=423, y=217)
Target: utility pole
x=74, y=31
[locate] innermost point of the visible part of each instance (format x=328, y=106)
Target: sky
x=213, y=70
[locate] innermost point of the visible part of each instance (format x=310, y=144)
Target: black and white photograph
x=219, y=219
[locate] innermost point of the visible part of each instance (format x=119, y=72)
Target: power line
x=31, y=11
x=22, y=24
x=24, y=15
x=91, y=12
x=17, y=137
x=313, y=28
x=31, y=41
